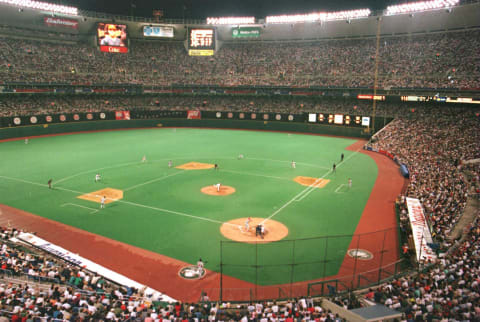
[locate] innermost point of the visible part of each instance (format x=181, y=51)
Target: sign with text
x=420, y=231
x=246, y=32
x=194, y=115
x=201, y=38
x=112, y=38
x=122, y=115
x=60, y=22
x=158, y=31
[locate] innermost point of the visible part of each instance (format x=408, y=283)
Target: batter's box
x=195, y=166
x=110, y=194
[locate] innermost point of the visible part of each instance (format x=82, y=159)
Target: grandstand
x=403, y=83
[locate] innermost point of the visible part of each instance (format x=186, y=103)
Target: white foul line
x=339, y=187
x=306, y=191
x=313, y=185
x=74, y=204
x=126, y=202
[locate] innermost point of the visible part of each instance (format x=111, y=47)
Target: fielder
x=294, y=164
x=170, y=163
x=26, y=140
x=247, y=224
x=240, y=156
x=102, y=202
x=144, y=159
x=349, y=183
x=97, y=177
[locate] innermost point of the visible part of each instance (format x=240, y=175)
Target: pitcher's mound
x=235, y=230
x=212, y=190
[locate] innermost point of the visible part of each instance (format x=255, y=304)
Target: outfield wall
x=58, y=128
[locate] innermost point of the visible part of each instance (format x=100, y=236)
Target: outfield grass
x=163, y=209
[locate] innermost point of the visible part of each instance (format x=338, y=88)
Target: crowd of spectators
x=435, y=145
x=446, y=60
x=75, y=294
x=448, y=290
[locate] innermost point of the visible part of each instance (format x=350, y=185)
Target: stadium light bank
x=319, y=16
x=230, y=20
x=55, y=8
x=420, y=6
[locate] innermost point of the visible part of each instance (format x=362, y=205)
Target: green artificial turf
x=164, y=211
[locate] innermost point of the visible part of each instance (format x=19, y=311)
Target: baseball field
x=160, y=191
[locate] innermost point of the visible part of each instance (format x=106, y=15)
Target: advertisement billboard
x=60, y=22
x=112, y=38
x=246, y=32
x=158, y=31
x=338, y=119
x=122, y=115
x=201, y=41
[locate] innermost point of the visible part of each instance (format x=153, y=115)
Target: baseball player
x=217, y=186
x=216, y=166
x=170, y=163
x=102, y=202
x=334, y=168
x=200, y=266
x=258, y=230
x=144, y=159
x=49, y=184
x=97, y=177
x=240, y=156
x=294, y=164
x=26, y=140
x=247, y=224
x=349, y=183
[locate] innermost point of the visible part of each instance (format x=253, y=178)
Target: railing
x=326, y=288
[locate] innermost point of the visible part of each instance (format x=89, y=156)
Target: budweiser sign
x=52, y=21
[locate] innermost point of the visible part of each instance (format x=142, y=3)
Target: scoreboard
x=201, y=41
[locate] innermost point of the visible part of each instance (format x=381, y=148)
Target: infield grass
x=164, y=211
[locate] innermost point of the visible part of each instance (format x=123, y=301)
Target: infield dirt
x=235, y=230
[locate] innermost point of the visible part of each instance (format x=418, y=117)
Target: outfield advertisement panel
x=194, y=115
x=122, y=115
